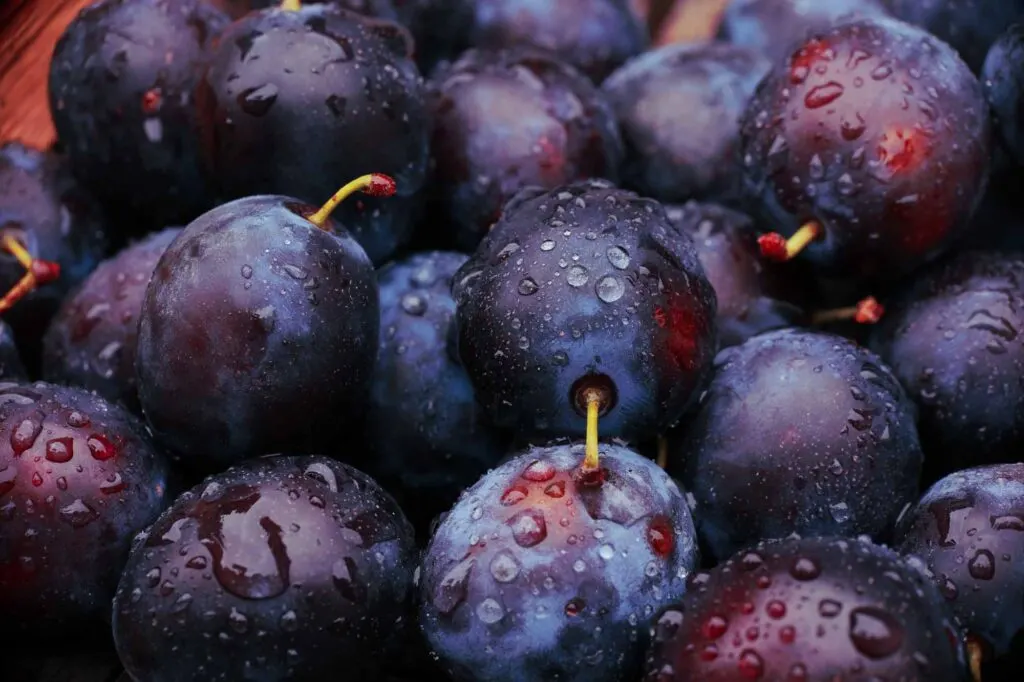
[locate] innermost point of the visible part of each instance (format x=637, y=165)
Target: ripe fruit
x=585, y=288
x=1002, y=77
x=540, y=572
x=808, y=609
x=967, y=528
x=121, y=94
x=869, y=146
x=283, y=567
x=258, y=332
x=426, y=436
x=799, y=432
x=92, y=340
x=510, y=119
x=952, y=341
x=295, y=101
x=679, y=108
x=78, y=478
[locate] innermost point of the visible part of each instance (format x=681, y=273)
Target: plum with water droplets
x=869, y=144
x=121, y=94
x=539, y=574
x=279, y=568
x=753, y=296
x=426, y=436
x=585, y=287
x=969, y=530
x=295, y=102
x=508, y=119
x=774, y=27
x=258, y=332
x=43, y=207
x=969, y=26
x=79, y=477
x=91, y=341
x=800, y=432
x=679, y=108
x=808, y=610
x=1002, y=77
x=953, y=340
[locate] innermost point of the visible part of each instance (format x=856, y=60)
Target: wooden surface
x=30, y=28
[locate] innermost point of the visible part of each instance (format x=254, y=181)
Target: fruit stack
x=480, y=340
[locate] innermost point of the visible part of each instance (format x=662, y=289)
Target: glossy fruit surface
x=679, y=108
x=56, y=220
x=91, y=341
x=121, y=94
x=257, y=335
x=803, y=610
x=1002, y=77
x=970, y=26
x=968, y=529
x=753, y=296
x=879, y=133
x=282, y=567
x=585, y=285
x=535, y=575
x=297, y=102
x=776, y=27
x=952, y=340
x=79, y=478
x=427, y=436
x=799, y=432
x=510, y=119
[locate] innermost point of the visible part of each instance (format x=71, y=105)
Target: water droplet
x=238, y=622
x=182, y=603
x=982, y=565
x=113, y=484
x=547, y=245
x=775, y=609
x=247, y=271
x=823, y=95
x=574, y=607
x=289, y=621
x=840, y=512
x=528, y=527
x=714, y=627
x=37, y=479
x=60, y=450
x=560, y=358
x=257, y=101
x=100, y=447
x=504, y=566
x=751, y=666
x=577, y=276
x=489, y=611
x=618, y=257
x=24, y=436
x=78, y=514
x=579, y=566
x=881, y=72
x=514, y=495
x=539, y=471
x=805, y=569
x=506, y=252
x=451, y=591
x=77, y=420
x=606, y=552
x=874, y=632
x=414, y=304
x=555, y=490
x=660, y=536
x=815, y=168
x=948, y=589
x=852, y=129
x=527, y=286
x=323, y=474
x=610, y=289
x=197, y=563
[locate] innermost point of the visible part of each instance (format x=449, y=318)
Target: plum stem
x=777, y=248
x=291, y=5
x=374, y=184
x=37, y=272
x=975, y=654
x=662, y=451
x=867, y=311
x=590, y=461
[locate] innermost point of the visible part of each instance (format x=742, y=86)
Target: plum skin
x=529, y=564
x=78, y=478
x=257, y=335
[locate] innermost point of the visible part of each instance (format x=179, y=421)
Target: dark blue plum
x=878, y=134
x=809, y=610
x=753, y=296
x=121, y=94
x=91, y=341
x=510, y=119
x=11, y=367
x=296, y=102
x=258, y=335
x=279, y=568
x=585, y=287
x=970, y=26
x=534, y=575
x=1002, y=77
x=953, y=340
x=79, y=477
x=968, y=530
x=799, y=432
x=56, y=220
x=679, y=109
x=775, y=27
x=426, y=436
